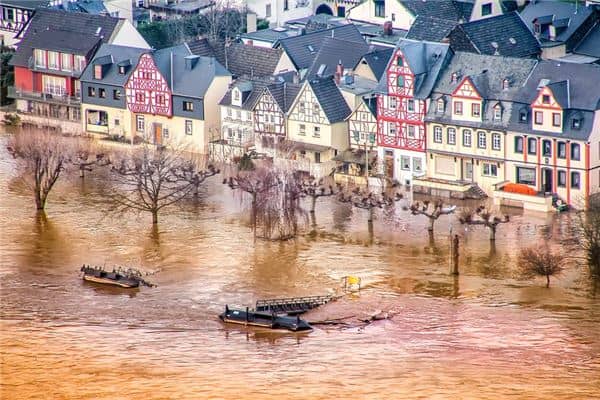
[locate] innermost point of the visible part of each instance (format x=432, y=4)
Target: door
x=158, y=134
x=389, y=164
x=317, y=157
x=547, y=184
x=469, y=170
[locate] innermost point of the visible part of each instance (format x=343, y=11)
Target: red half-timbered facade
x=147, y=90
x=400, y=117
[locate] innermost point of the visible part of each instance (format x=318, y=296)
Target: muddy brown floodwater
x=485, y=335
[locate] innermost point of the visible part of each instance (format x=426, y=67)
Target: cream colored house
x=317, y=129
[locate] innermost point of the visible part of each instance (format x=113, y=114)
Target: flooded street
x=484, y=335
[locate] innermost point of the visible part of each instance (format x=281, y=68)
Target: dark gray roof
x=561, y=93
x=25, y=4
x=244, y=60
x=590, y=45
x=504, y=35
x=303, y=49
x=284, y=94
x=378, y=60
x=201, y=47
x=330, y=98
x=183, y=81
x=567, y=17
x=272, y=35
x=430, y=28
x=63, y=31
x=334, y=51
x=117, y=55
x=426, y=61
x=447, y=9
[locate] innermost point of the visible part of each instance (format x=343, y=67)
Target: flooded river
x=485, y=335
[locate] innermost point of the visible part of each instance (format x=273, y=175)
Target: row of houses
x=443, y=119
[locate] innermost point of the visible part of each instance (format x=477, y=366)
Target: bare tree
x=195, y=171
x=150, y=179
x=480, y=216
x=542, y=261
x=85, y=159
x=436, y=210
x=313, y=188
x=42, y=157
x=589, y=231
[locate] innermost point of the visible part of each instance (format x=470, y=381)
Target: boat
x=262, y=319
x=116, y=277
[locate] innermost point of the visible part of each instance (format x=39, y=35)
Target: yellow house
x=316, y=125
x=467, y=122
x=554, y=134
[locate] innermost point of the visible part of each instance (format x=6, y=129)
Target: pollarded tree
x=480, y=216
x=542, y=261
x=85, y=159
x=41, y=157
x=195, y=171
x=149, y=180
x=313, y=188
x=436, y=210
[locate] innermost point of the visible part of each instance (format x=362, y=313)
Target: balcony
x=526, y=199
x=16, y=93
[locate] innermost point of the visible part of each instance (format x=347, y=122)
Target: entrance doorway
x=158, y=134
x=469, y=170
x=547, y=184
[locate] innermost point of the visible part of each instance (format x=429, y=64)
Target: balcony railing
x=16, y=93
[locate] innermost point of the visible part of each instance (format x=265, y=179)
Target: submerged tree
x=542, y=261
x=41, y=157
x=436, y=210
x=195, y=171
x=480, y=216
x=315, y=188
x=589, y=230
x=151, y=179
x=85, y=159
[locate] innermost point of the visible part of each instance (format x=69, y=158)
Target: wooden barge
x=263, y=319
x=99, y=275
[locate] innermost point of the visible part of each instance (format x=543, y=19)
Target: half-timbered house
x=135, y=92
x=402, y=101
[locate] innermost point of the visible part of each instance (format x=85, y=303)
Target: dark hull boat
x=263, y=319
x=98, y=275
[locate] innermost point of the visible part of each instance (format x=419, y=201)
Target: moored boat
x=116, y=278
x=264, y=319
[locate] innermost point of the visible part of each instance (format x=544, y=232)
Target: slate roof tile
x=429, y=28
x=330, y=98
x=332, y=52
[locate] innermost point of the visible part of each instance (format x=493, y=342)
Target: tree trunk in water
x=492, y=233
x=431, y=222
x=81, y=172
x=371, y=215
x=312, y=205
x=547, y=281
x=370, y=224
x=254, y=214
x=455, y=254
x=40, y=201
x=154, y=217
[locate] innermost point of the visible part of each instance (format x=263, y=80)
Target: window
x=393, y=102
x=411, y=131
x=486, y=9
x=140, y=97
x=236, y=95
x=546, y=148
x=229, y=112
x=440, y=105
x=497, y=113
x=392, y=129
x=380, y=9
x=400, y=81
x=188, y=127
x=518, y=144
x=417, y=164
x=437, y=134
x=117, y=122
x=481, y=140
x=54, y=85
x=102, y=93
x=268, y=11
x=286, y=5
x=139, y=123
x=117, y=94
x=79, y=64
x=405, y=163
x=576, y=124
x=97, y=71
x=302, y=130
x=188, y=106
x=545, y=99
x=562, y=178
x=317, y=132
x=505, y=84
x=575, y=152
x=249, y=116
x=562, y=150
x=40, y=58
x=393, y=17
x=451, y=135
x=53, y=60
x=400, y=61
x=65, y=61
x=532, y=146
x=91, y=91
x=496, y=141
x=575, y=180
x=121, y=69
x=411, y=105
x=458, y=107
x=523, y=116
x=301, y=107
x=475, y=110
x=555, y=119
x=467, y=139
x=316, y=109
x=160, y=99
x=526, y=176
x=165, y=132
x=490, y=169
x=539, y=118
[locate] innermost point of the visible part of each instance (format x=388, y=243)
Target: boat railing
x=292, y=304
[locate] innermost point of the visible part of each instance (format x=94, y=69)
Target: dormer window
x=236, y=95
x=505, y=84
x=122, y=69
x=523, y=115
x=576, y=123
x=497, y=112
x=97, y=71
x=545, y=99
x=454, y=77
x=440, y=105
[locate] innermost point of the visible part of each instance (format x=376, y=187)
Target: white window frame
x=451, y=135
x=140, y=123
x=189, y=127
x=66, y=62
x=496, y=141
x=40, y=58
x=481, y=140
x=437, y=134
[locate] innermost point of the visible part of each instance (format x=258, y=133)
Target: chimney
x=339, y=72
x=250, y=22
x=387, y=28
x=191, y=61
